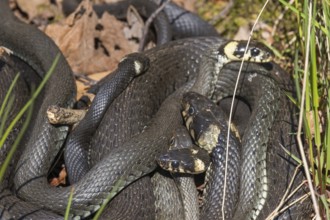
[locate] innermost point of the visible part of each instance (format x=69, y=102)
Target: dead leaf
x=89, y=44
x=76, y=37
x=311, y=121
x=112, y=39
x=38, y=11
x=188, y=5
x=134, y=29
x=61, y=180
x=83, y=87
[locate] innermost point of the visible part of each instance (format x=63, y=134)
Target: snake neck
x=209, y=72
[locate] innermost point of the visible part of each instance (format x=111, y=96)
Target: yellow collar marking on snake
x=234, y=129
x=199, y=165
x=255, y=52
x=209, y=139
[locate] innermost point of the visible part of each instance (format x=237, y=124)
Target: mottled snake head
x=238, y=50
x=185, y=160
x=200, y=121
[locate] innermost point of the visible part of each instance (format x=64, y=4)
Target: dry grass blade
x=232, y=107
x=148, y=23
x=302, y=198
x=26, y=108
x=285, y=197
x=299, y=133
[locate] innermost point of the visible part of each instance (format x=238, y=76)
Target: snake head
x=193, y=160
x=200, y=120
x=238, y=51
x=180, y=138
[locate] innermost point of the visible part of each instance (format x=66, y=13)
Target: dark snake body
x=142, y=193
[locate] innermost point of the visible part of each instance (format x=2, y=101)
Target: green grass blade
x=31, y=100
x=9, y=92
x=303, y=16
x=294, y=157
x=67, y=211
x=327, y=137
x=7, y=110
x=16, y=143
x=325, y=205
x=115, y=188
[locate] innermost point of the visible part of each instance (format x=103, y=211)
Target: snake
x=22, y=28
x=135, y=157
x=207, y=125
x=184, y=159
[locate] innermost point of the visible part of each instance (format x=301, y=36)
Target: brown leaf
x=113, y=41
x=134, y=30
x=189, y=5
x=311, y=121
x=40, y=10
x=82, y=87
x=89, y=44
x=61, y=180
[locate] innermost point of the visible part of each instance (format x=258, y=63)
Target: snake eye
x=255, y=52
x=175, y=164
x=191, y=110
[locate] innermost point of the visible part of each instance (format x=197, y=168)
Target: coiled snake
x=171, y=66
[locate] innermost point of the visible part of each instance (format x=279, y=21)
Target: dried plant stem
x=148, y=23
x=299, y=133
x=231, y=110
x=285, y=197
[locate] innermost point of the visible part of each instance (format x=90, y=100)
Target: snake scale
x=152, y=119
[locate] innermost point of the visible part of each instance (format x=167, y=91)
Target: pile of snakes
x=158, y=124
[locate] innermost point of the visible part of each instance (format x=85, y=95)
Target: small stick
x=86, y=80
x=148, y=23
x=58, y=115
